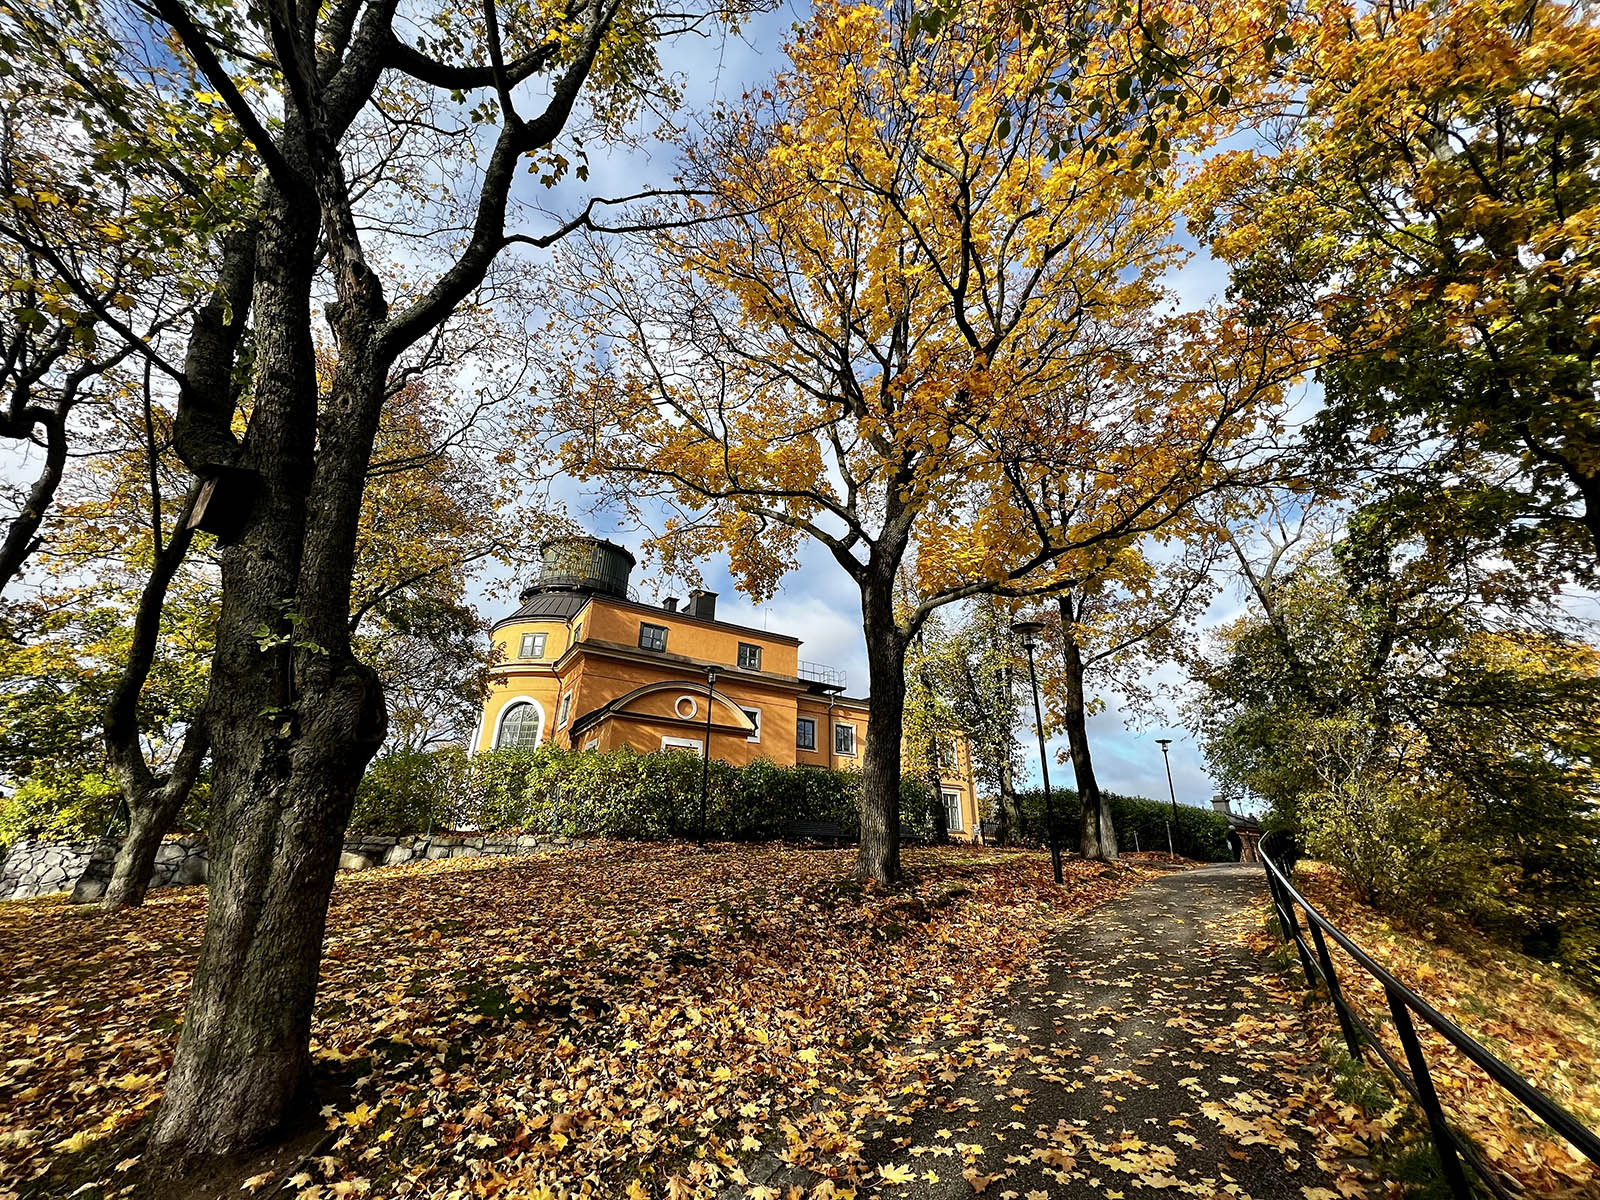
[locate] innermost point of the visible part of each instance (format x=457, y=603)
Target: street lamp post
x=1166, y=758
x=705, y=758
x=1027, y=631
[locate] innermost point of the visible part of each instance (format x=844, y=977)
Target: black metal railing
x=1452, y=1146
x=813, y=672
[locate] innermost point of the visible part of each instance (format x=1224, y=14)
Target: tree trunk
x=22, y=538
x=1097, y=836
x=150, y=815
x=294, y=718
x=152, y=804
x=1011, y=820
x=878, y=860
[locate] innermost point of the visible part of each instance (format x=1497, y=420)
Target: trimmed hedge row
x=1200, y=833
x=622, y=794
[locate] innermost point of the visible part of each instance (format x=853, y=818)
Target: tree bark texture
x=1097, y=836
x=878, y=859
x=294, y=717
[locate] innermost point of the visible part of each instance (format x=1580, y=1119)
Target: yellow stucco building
x=584, y=663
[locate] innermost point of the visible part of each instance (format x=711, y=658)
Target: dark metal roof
x=556, y=606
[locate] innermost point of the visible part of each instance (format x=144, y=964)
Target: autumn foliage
x=616, y=1020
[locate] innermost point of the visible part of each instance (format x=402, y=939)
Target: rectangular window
x=805, y=734
x=652, y=637
x=533, y=645
x=566, y=711
x=691, y=745
x=844, y=739
x=755, y=719
x=591, y=744
x=952, y=810
x=749, y=657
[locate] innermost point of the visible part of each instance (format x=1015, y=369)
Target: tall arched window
x=520, y=726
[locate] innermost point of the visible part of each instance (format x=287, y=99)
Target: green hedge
x=1200, y=833
x=622, y=794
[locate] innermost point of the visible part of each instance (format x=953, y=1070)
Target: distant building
x=1244, y=833
x=586, y=664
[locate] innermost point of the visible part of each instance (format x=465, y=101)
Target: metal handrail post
x=1346, y=1026
x=1443, y=1139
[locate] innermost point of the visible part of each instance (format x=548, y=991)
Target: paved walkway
x=1156, y=1055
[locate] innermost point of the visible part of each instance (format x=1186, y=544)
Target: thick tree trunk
x=22, y=533
x=1097, y=836
x=294, y=719
x=878, y=860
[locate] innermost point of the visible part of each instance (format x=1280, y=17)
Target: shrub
x=1200, y=833
x=622, y=794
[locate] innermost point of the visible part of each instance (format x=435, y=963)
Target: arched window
x=520, y=726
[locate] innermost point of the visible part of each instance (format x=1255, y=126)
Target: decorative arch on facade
x=513, y=724
x=622, y=703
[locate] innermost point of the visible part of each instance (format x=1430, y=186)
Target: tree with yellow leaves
x=1430, y=196
x=919, y=277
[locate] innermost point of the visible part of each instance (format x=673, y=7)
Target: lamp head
x=1027, y=630
x=1163, y=743
x=711, y=676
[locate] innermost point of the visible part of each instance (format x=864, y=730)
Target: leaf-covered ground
x=1148, y=1053
x=618, y=1019
x=1528, y=1013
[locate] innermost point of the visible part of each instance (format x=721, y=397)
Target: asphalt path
x=1154, y=1054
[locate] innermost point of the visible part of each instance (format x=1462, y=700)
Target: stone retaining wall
x=84, y=868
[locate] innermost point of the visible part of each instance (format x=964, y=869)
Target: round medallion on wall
x=686, y=707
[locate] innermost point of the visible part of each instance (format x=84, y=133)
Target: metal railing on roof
x=813, y=672
x=1451, y=1145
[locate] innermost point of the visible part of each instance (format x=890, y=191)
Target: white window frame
x=681, y=743
x=500, y=722
x=798, y=744
x=947, y=795
x=533, y=645
x=837, y=726
x=755, y=719
x=564, y=711
x=592, y=744
x=756, y=655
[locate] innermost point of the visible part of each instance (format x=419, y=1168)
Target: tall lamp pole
x=1166, y=758
x=1027, y=631
x=705, y=758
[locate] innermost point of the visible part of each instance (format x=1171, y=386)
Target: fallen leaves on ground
x=616, y=1018
x=1525, y=1012
x=1149, y=1051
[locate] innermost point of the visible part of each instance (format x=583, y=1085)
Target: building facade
x=584, y=663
